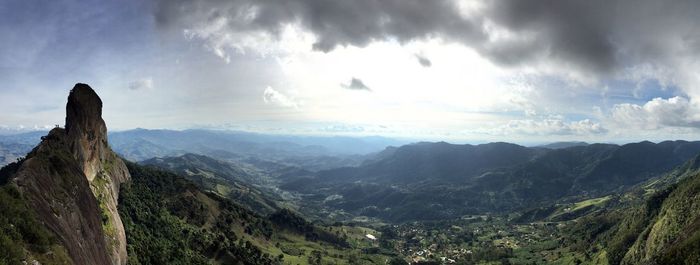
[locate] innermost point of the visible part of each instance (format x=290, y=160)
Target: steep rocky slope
x=72, y=180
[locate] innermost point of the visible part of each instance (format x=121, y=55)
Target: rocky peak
x=85, y=128
x=84, y=108
x=72, y=179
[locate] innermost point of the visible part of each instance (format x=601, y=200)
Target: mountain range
x=441, y=180
x=141, y=144
x=210, y=197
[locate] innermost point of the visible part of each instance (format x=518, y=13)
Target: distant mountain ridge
x=560, y=145
x=446, y=180
x=140, y=144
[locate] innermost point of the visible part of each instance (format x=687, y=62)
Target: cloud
x=423, y=61
x=146, y=83
x=600, y=37
x=548, y=126
x=335, y=23
x=356, y=84
x=657, y=113
x=271, y=96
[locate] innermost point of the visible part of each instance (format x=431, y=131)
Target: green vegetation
x=100, y=188
x=655, y=223
x=235, y=181
x=286, y=219
x=168, y=220
x=591, y=202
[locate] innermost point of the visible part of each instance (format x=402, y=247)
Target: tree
x=397, y=261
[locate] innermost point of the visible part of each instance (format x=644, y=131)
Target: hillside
x=169, y=220
x=244, y=185
x=670, y=233
x=654, y=223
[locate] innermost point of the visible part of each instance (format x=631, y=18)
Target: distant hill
x=14, y=146
x=440, y=180
x=561, y=145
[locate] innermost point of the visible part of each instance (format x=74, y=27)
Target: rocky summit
x=72, y=180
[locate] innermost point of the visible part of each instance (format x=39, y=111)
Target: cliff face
x=72, y=179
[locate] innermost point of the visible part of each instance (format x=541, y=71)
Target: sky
x=454, y=70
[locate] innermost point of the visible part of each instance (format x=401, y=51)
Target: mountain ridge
x=495, y=177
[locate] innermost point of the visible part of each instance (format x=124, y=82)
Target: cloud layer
x=584, y=44
x=596, y=36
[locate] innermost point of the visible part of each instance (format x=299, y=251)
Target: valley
x=534, y=230
x=217, y=197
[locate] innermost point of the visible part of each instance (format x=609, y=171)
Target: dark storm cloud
x=423, y=61
x=356, y=84
x=598, y=36
x=334, y=22
x=577, y=31
x=595, y=36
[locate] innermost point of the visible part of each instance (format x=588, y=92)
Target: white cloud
x=218, y=38
x=657, y=113
x=549, y=126
x=271, y=96
x=141, y=84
